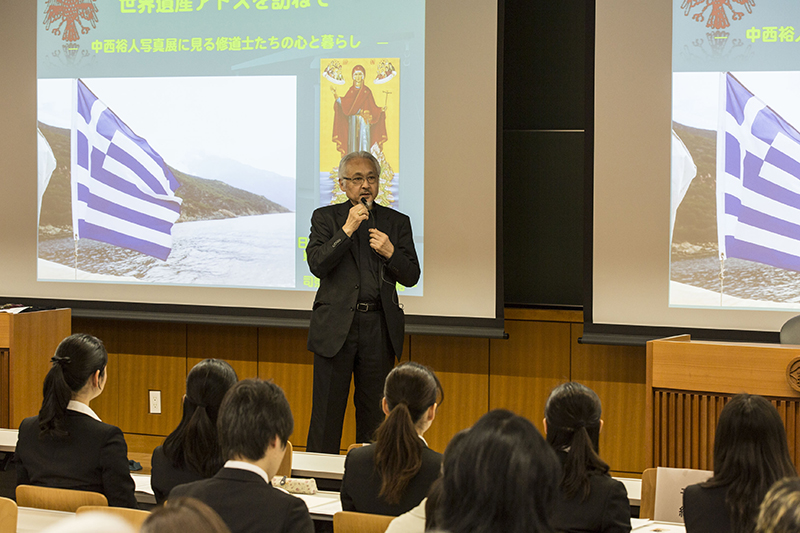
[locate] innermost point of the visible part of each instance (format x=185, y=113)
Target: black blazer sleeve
x=404, y=264
x=617, y=515
x=118, y=484
x=23, y=478
x=298, y=519
x=327, y=243
x=344, y=492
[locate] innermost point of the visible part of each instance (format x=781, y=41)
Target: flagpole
x=721, y=277
x=75, y=241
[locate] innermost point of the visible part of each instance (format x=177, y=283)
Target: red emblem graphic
x=68, y=15
x=718, y=17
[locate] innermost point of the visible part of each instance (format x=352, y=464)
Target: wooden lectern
x=27, y=342
x=688, y=383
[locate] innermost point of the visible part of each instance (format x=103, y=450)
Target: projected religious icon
x=69, y=16
x=717, y=18
x=364, y=118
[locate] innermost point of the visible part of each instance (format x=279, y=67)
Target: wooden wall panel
x=528, y=365
x=4, y=395
x=477, y=374
x=152, y=356
x=283, y=358
x=462, y=365
x=5, y=330
x=140, y=448
x=33, y=341
x=235, y=344
x=617, y=375
x=107, y=404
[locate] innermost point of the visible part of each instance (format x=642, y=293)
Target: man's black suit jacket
x=248, y=504
x=93, y=457
x=362, y=483
x=333, y=258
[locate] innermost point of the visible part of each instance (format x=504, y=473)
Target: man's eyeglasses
x=360, y=181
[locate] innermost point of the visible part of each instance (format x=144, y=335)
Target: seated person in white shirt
x=254, y=423
x=67, y=446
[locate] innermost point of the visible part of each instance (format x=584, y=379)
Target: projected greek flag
x=122, y=191
x=758, y=181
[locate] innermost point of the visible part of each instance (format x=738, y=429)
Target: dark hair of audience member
x=252, y=414
x=750, y=454
x=184, y=514
x=194, y=442
x=780, y=510
x=573, y=413
x=500, y=476
x=435, y=492
x=77, y=358
x=410, y=390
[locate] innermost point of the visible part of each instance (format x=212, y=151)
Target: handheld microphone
x=369, y=211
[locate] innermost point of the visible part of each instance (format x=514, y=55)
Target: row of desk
x=322, y=505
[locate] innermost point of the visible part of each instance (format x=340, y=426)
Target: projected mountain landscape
x=224, y=235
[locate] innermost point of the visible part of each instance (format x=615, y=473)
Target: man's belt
x=365, y=307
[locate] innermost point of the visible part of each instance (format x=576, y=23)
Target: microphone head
x=367, y=203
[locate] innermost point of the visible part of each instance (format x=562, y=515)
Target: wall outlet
x=155, y=402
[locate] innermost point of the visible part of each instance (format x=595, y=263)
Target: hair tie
x=197, y=404
x=60, y=360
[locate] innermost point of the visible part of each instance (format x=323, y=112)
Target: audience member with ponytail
x=589, y=499
x=393, y=475
x=67, y=446
x=192, y=452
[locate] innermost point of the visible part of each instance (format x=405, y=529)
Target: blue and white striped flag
x=758, y=181
x=122, y=191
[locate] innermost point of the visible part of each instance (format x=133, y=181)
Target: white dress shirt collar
x=82, y=408
x=241, y=465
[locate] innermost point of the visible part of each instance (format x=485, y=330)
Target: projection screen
x=696, y=170
x=163, y=157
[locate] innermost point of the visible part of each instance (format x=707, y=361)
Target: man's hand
x=358, y=214
x=380, y=242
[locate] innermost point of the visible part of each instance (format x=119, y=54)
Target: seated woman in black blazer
x=192, y=451
x=750, y=454
x=393, y=475
x=589, y=499
x=67, y=446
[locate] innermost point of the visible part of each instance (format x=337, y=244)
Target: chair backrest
x=356, y=445
x=8, y=516
x=285, y=469
x=670, y=482
x=134, y=517
x=647, y=504
x=349, y=522
x=57, y=499
x=790, y=331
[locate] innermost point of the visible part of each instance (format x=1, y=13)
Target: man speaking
x=359, y=250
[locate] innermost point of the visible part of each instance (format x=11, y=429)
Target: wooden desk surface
x=31, y=520
x=8, y=440
x=322, y=465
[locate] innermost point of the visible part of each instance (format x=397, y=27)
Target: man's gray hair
x=359, y=155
